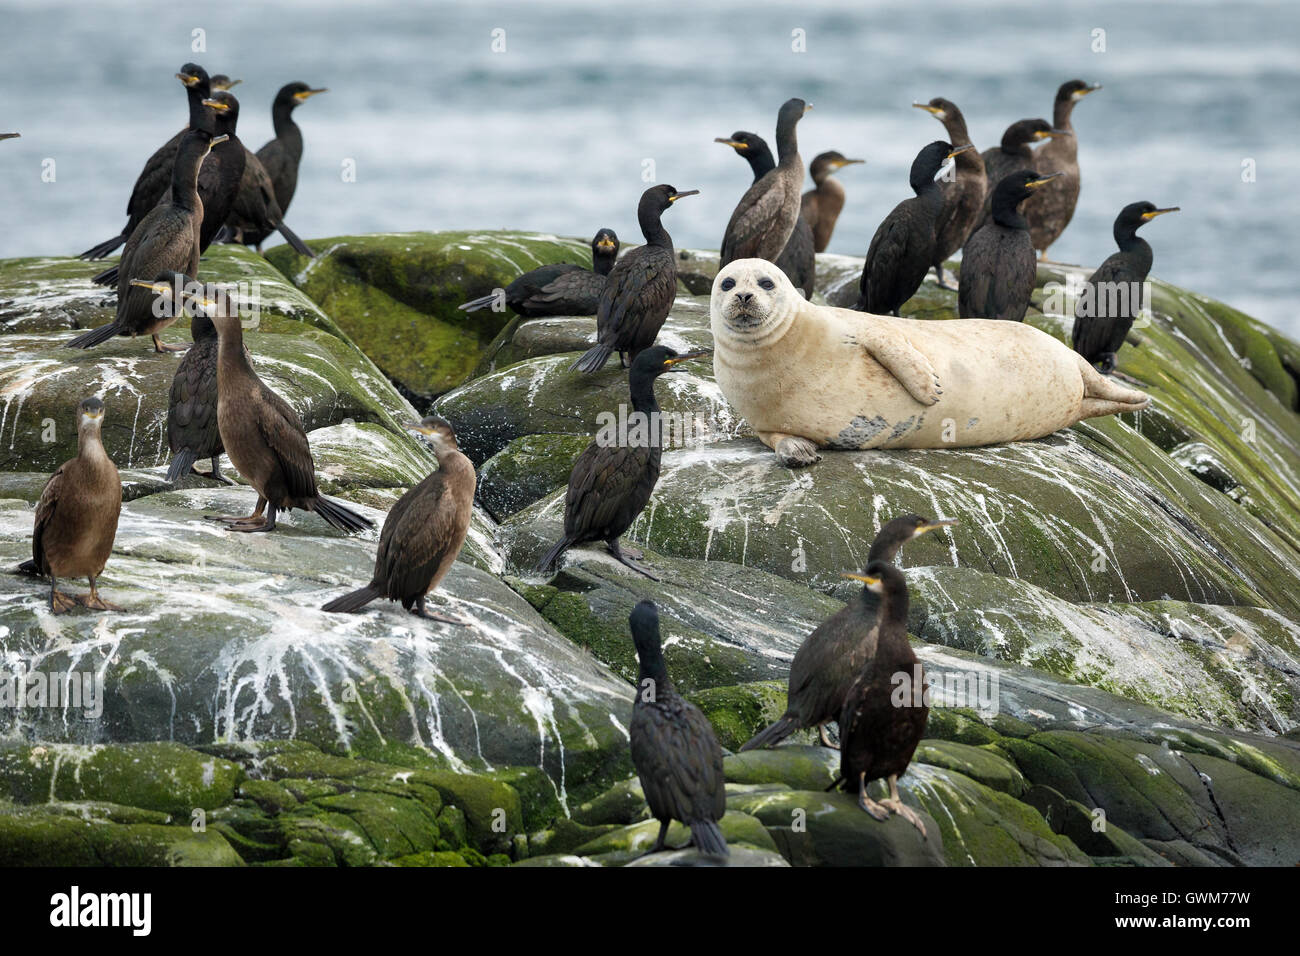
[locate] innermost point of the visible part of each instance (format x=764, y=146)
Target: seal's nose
x=744, y=297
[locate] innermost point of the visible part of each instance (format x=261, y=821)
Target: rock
x=739, y=856
x=737, y=713
x=982, y=764
x=801, y=767
x=525, y=470
x=623, y=845
x=33, y=837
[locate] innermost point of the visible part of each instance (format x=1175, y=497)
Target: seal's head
x=752, y=301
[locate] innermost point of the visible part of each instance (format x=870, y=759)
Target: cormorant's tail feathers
x=773, y=734
x=107, y=277
x=549, y=560
x=291, y=237
x=94, y=337
x=473, y=305
x=708, y=839
x=354, y=600
x=103, y=249
x=181, y=464
x=594, y=359
x=340, y=516
x=29, y=567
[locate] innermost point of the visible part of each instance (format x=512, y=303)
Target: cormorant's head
x=198, y=143
x=193, y=75
x=659, y=198
x=1016, y=187
x=206, y=302
x=940, y=109
x=930, y=160
x=901, y=530
x=882, y=578
x=1138, y=213
x=644, y=624
x=742, y=141
x=292, y=95
x=747, y=294
x=223, y=82
x=1031, y=131
x=1075, y=90
x=438, y=432
x=791, y=112
x=604, y=242
x=90, y=413
x=226, y=109
x=831, y=161
x=660, y=359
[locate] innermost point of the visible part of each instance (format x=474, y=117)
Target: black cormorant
x=963, y=197
x=821, y=205
x=1051, y=210
x=766, y=215
x=256, y=213
x=282, y=155
x=561, y=288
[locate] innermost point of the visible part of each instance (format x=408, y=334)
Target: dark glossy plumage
x=256, y=213
x=902, y=249
x=963, y=196
x=1011, y=154
x=281, y=155
x=559, y=288
x=167, y=240
x=423, y=532
x=820, y=206
x=155, y=178
x=832, y=656
x=761, y=224
x=998, y=267
x=1111, y=297
x=674, y=749
x=640, y=289
x=1051, y=210
x=877, y=735
x=611, y=482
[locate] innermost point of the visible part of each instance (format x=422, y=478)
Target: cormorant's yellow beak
x=961, y=149
x=422, y=429
x=699, y=353
x=94, y=416
x=1051, y=133
x=306, y=94
x=861, y=577
x=841, y=163
x=934, y=525
x=1080, y=94
x=221, y=105
x=606, y=244
x=682, y=195
x=228, y=85
x=1035, y=183
x=159, y=287
x=733, y=143
x=189, y=79
x=807, y=107
x=1158, y=212
x=930, y=109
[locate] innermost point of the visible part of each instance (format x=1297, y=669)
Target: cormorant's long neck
x=787, y=145
x=185, y=180
x=602, y=260
x=643, y=393
x=452, y=461
x=1006, y=213
x=90, y=446
x=892, y=642
x=200, y=116
x=652, y=668
x=652, y=227
x=760, y=161
x=1061, y=111
x=286, y=130
x=230, y=353
x=928, y=191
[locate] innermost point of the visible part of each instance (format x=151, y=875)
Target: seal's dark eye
x=727, y=285
x=767, y=284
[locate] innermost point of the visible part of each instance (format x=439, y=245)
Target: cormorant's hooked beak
x=934, y=525
x=683, y=194
x=10, y=135
x=606, y=244
x=164, y=288
x=935, y=110
x=189, y=79
x=807, y=107
x=671, y=363
x=733, y=143
x=1051, y=133
x=1035, y=183
x=1158, y=212
x=961, y=149
x=303, y=95
x=93, y=415
x=422, y=429
x=226, y=85
x=219, y=105
x=865, y=579
x=1080, y=94
x=841, y=163
x=159, y=287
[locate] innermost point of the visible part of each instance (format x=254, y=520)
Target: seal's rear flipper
x=793, y=451
x=1104, y=396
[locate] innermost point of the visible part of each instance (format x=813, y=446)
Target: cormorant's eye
x=727, y=284
x=767, y=284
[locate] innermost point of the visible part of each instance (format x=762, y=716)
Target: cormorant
x=265, y=440
x=821, y=206
x=167, y=240
x=156, y=176
x=282, y=155
x=76, y=518
x=1051, y=210
x=963, y=197
x=1112, y=296
x=997, y=266
x=223, y=82
x=674, y=749
x=833, y=655
x=878, y=732
x=798, y=259
x=423, y=532
x=766, y=215
x=256, y=213
x=192, y=432
x=640, y=289
x=561, y=288
x=902, y=249
x=611, y=483
x=1011, y=154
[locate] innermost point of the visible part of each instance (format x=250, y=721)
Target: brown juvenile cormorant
x=423, y=532
x=998, y=268
x=610, y=484
x=265, y=440
x=765, y=217
x=1112, y=296
x=902, y=250
x=76, y=518
x=1011, y=154
x=963, y=197
x=1051, y=210
x=798, y=259
x=192, y=432
x=282, y=155
x=640, y=289
x=674, y=749
x=223, y=82
x=167, y=240
x=558, y=289
x=878, y=734
x=821, y=206
x=156, y=176
x=832, y=656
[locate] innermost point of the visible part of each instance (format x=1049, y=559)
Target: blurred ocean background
x=552, y=133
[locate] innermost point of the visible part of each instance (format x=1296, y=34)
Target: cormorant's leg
x=636, y=554
x=866, y=803
x=94, y=601
x=826, y=740
x=622, y=360
x=216, y=471
x=659, y=843
x=896, y=805
x=159, y=347
x=254, y=518
x=59, y=602
x=623, y=559
x=267, y=525
x=938, y=274
x=421, y=611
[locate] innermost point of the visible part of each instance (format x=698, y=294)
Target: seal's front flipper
x=902, y=360
x=793, y=451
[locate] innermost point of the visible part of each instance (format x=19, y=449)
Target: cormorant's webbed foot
x=621, y=558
